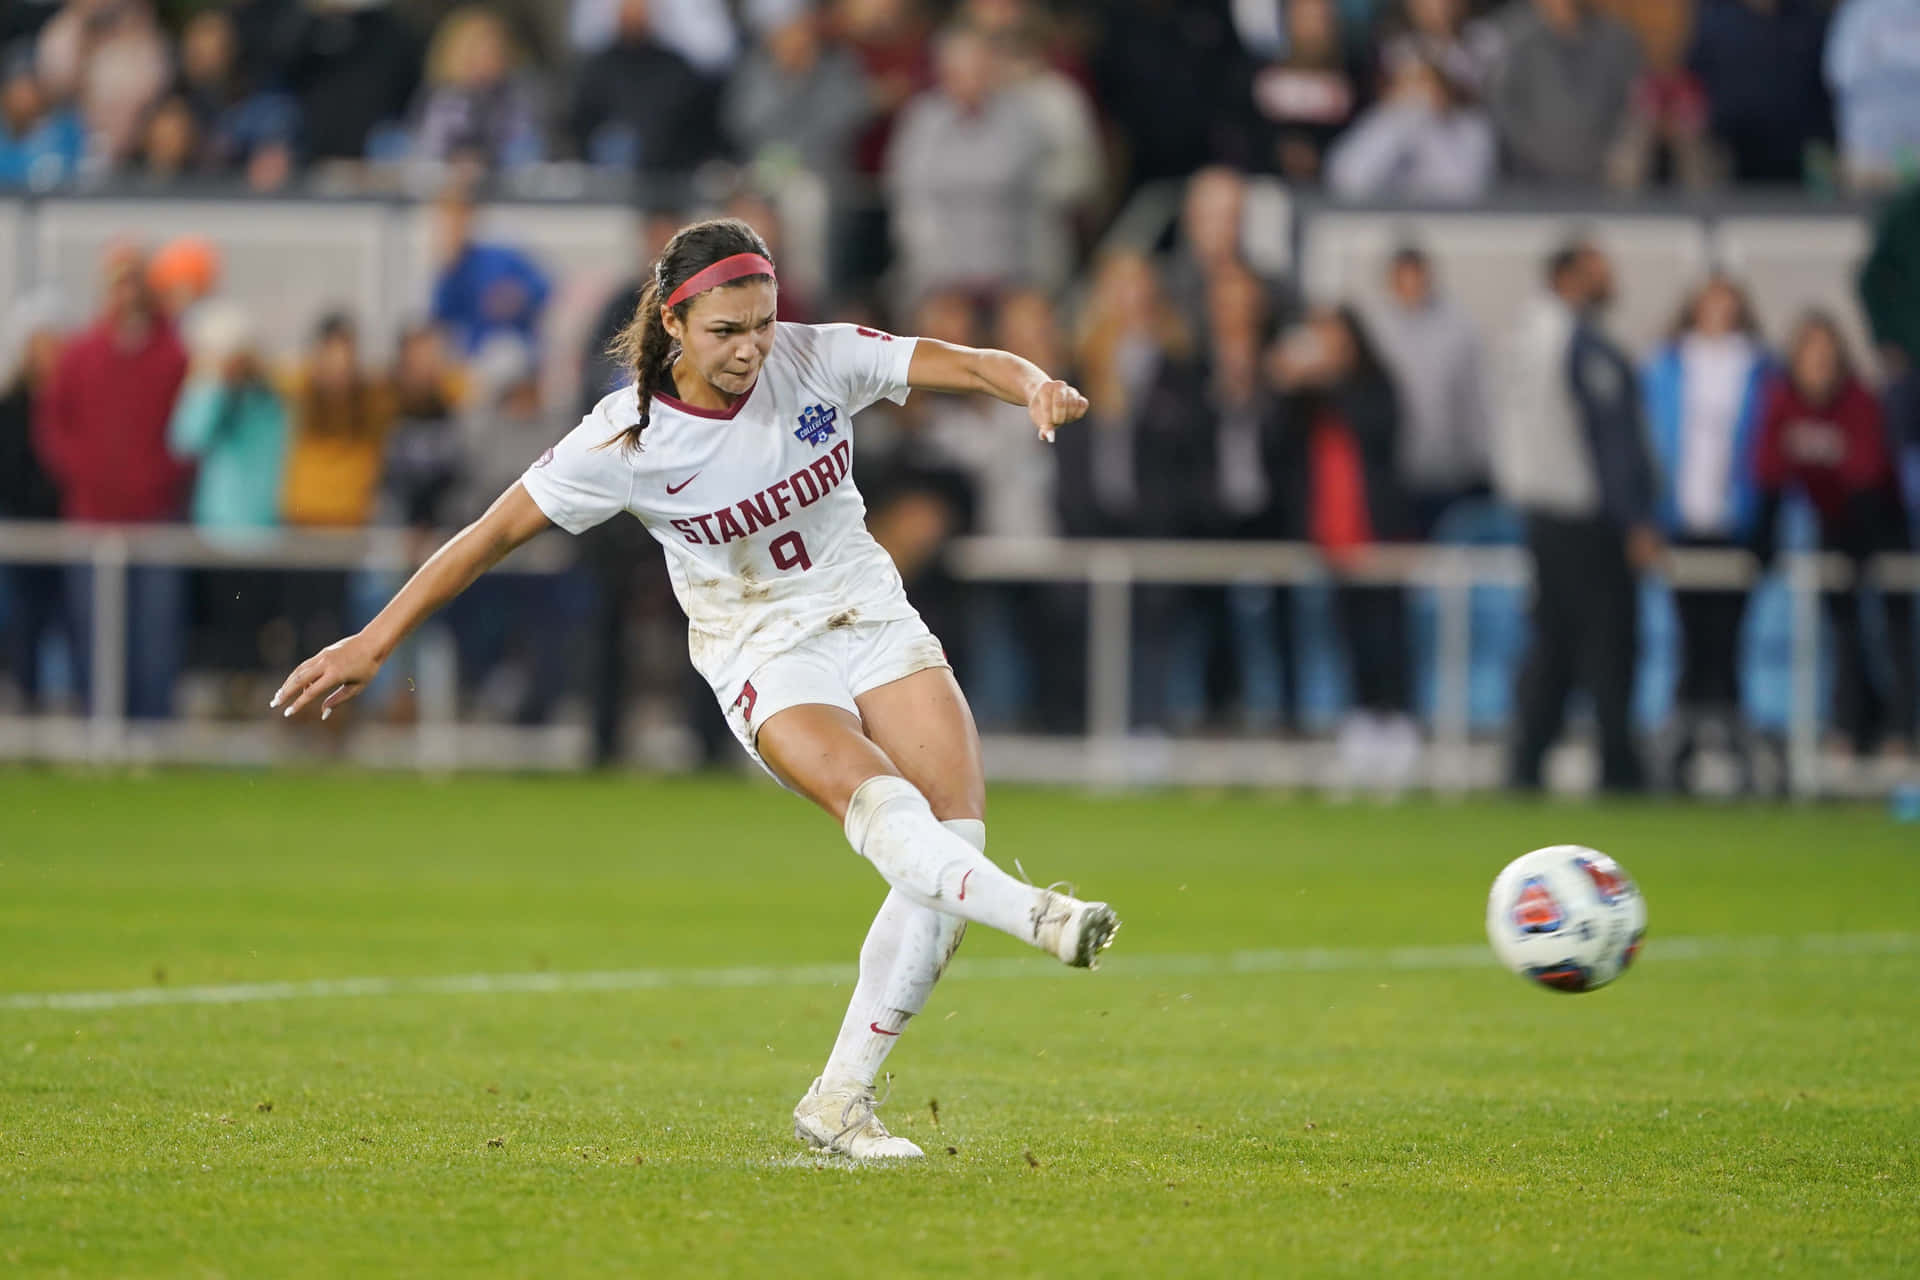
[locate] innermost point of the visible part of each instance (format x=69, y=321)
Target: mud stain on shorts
x=843, y=619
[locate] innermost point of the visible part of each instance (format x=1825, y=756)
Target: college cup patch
x=816, y=423
x=1534, y=908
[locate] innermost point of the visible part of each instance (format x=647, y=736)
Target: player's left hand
x=1054, y=403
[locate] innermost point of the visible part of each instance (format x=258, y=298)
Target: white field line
x=1317, y=960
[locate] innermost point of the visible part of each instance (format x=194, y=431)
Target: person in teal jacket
x=1705, y=390
x=231, y=422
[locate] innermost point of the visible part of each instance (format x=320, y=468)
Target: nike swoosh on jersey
x=675, y=488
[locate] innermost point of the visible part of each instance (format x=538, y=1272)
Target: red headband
x=721, y=272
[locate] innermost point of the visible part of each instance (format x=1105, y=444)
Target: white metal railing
x=1110, y=569
x=111, y=550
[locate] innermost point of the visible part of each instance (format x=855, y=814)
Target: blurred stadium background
x=297, y=286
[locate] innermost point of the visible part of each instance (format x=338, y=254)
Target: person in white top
x=734, y=448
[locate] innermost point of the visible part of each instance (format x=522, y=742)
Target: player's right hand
x=334, y=674
x=1055, y=403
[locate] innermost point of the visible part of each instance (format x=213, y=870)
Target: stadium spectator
x=925, y=495
x=1165, y=42
x=890, y=39
x=1873, y=69
x=1823, y=436
x=1424, y=140
x=1765, y=123
x=1433, y=351
x=1018, y=501
x=536, y=27
x=1014, y=474
x=1119, y=475
x=102, y=423
x=992, y=476
x=1339, y=458
x=964, y=174
x=169, y=142
x=1890, y=294
x=1569, y=452
x=1072, y=166
x=1705, y=389
x=601, y=371
x=182, y=272
x=1561, y=95
x=1209, y=240
x=1225, y=489
x=502, y=427
x=1664, y=139
x=33, y=594
x=481, y=108
x=1661, y=28
x=418, y=473
x=798, y=97
x=341, y=418
x=41, y=145
x=623, y=561
x=1293, y=106
x=698, y=31
x=423, y=453
x=110, y=59
x=513, y=635
x=483, y=289
x=230, y=423
x=354, y=68
x=639, y=104
x=1128, y=328
x=243, y=127
x=101, y=431
x=1261, y=25
x=1440, y=34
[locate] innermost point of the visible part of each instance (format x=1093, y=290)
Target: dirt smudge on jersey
x=843, y=619
x=751, y=588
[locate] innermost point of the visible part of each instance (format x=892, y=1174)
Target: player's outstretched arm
x=343, y=668
x=941, y=366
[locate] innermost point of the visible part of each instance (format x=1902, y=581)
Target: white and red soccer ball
x=1566, y=917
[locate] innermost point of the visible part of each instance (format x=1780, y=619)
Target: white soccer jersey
x=765, y=535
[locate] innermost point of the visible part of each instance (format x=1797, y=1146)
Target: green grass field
x=1298, y=1059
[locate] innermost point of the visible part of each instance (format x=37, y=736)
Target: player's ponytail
x=645, y=346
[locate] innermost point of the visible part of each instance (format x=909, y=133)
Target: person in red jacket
x=100, y=430
x=1823, y=434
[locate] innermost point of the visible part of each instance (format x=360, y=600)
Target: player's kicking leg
x=824, y=753
x=922, y=726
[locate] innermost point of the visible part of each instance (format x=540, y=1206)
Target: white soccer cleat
x=841, y=1120
x=1075, y=932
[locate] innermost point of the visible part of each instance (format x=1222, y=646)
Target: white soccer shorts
x=834, y=668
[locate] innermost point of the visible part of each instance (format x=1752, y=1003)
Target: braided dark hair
x=645, y=346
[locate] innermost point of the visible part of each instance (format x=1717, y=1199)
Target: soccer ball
x=1566, y=917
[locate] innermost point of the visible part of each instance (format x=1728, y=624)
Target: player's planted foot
x=841, y=1120
x=1075, y=932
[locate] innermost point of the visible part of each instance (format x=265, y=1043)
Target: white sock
x=889, y=824
x=907, y=949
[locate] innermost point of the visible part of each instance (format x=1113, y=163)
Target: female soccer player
x=734, y=447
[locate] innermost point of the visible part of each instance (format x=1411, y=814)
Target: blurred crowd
x=999, y=135
x=1437, y=99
